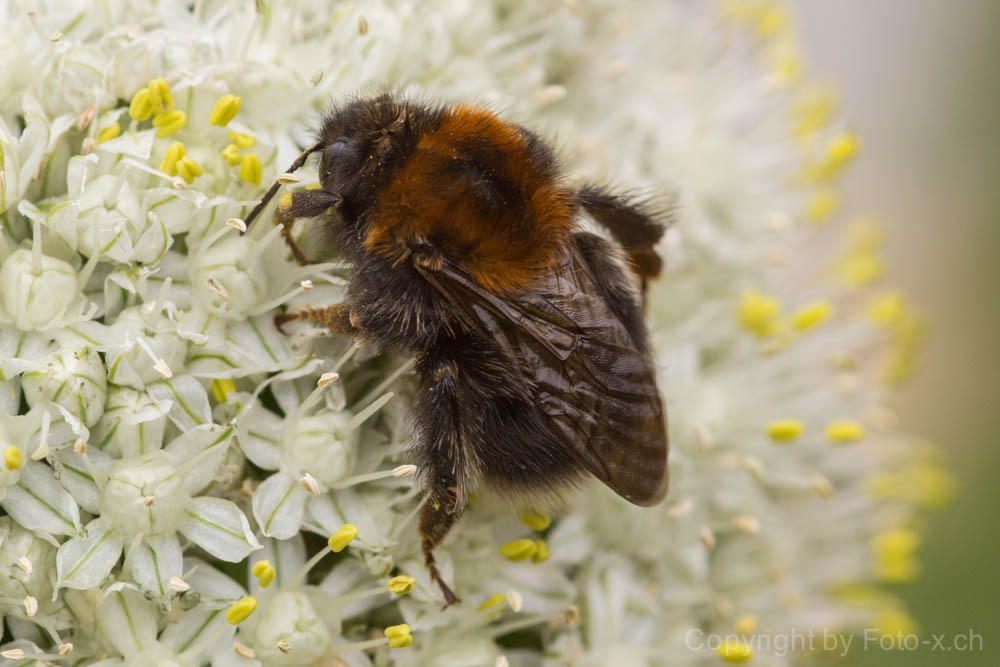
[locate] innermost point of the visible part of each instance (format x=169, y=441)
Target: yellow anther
x=733, y=650
x=811, y=314
x=231, y=154
x=340, y=539
x=789, y=68
x=169, y=122
x=893, y=622
x=240, y=611
x=224, y=110
x=285, y=202
x=141, y=106
x=264, y=572
x=221, y=389
x=813, y=111
x=784, y=430
x=842, y=148
x=109, y=133
x=250, y=169
x=933, y=485
x=772, y=19
x=845, y=431
x=534, y=519
x=821, y=205
x=400, y=584
x=159, y=95
x=541, y=552
x=518, y=549
x=759, y=313
x=398, y=635
x=746, y=624
x=894, y=555
x=888, y=309
x=241, y=140
x=188, y=169
x=174, y=153
x=491, y=602
x=12, y=457
x=858, y=269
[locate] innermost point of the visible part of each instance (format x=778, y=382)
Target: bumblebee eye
x=338, y=147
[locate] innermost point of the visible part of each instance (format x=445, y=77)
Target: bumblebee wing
x=585, y=370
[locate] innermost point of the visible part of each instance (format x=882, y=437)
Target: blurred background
x=920, y=82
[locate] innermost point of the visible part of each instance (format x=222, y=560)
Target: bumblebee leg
x=338, y=318
x=302, y=204
x=634, y=225
x=441, y=454
x=435, y=522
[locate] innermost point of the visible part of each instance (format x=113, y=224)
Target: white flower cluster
x=168, y=457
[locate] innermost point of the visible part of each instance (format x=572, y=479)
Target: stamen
x=231, y=154
x=109, y=133
x=241, y=140
x=243, y=651
x=784, y=430
x=310, y=484
x=400, y=584
x=169, y=122
x=224, y=110
x=517, y=550
x=360, y=418
x=141, y=106
x=404, y=471
x=178, y=585
x=159, y=95
x=845, y=431
x=264, y=572
x=250, y=168
x=12, y=457
x=241, y=610
x=535, y=520
x=188, y=169
x=340, y=539
x=30, y=605
x=398, y=636
x=236, y=223
x=735, y=651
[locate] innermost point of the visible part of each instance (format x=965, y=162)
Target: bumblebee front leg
x=338, y=318
x=302, y=204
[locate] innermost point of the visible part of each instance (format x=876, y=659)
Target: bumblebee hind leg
x=635, y=225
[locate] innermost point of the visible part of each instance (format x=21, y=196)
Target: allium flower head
x=185, y=485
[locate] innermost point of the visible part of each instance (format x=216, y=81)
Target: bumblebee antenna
x=271, y=191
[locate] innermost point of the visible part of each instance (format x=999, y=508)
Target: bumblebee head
x=360, y=144
x=364, y=142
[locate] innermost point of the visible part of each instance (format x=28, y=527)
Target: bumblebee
x=532, y=353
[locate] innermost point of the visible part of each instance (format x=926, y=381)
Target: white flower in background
x=154, y=426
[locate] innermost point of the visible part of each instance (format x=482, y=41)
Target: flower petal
x=190, y=400
x=75, y=476
x=38, y=502
x=83, y=562
x=220, y=528
x=157, y=559
x=279, y=505
x=207, y=444
x=127, y=619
